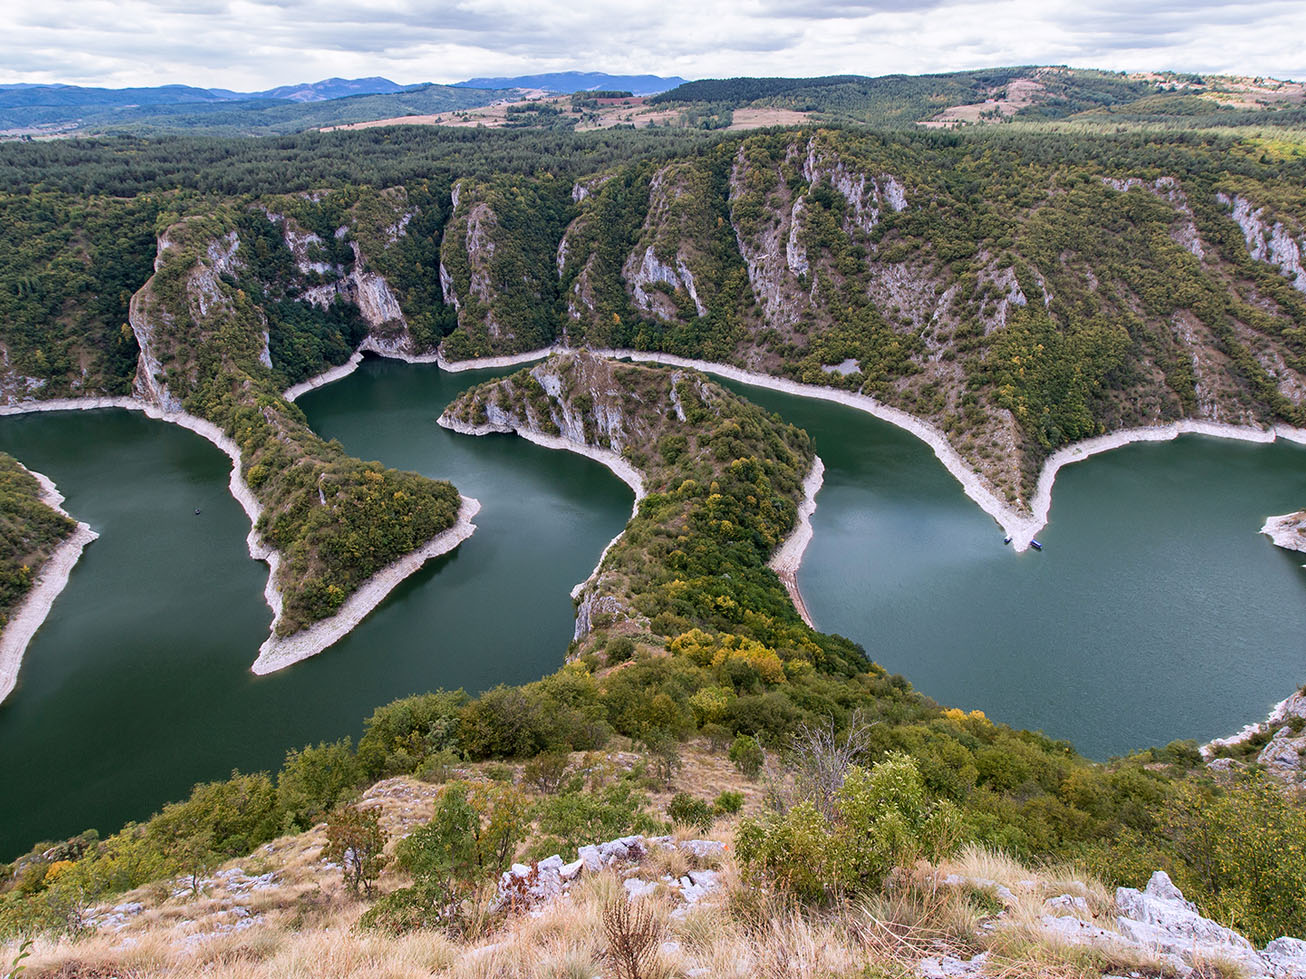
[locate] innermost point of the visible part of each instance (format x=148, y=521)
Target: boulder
x=947, y=967
x=1286, y=958
x=1066, y=902
x=701, y=849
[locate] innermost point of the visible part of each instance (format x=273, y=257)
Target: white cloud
x=255, y=44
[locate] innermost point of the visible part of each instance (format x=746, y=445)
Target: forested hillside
x=30, y=530
x=243, y=302
x=1016, y=289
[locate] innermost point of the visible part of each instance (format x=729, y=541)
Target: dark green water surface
x=138, y=684
x=1156, y=611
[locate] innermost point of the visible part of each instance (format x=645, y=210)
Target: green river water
x=1156, y=611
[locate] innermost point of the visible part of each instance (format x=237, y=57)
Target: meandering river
x=138, y=684
x=1155, y=612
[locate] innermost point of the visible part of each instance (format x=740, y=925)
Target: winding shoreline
x=51, y=579
x=1020, y=525
x=278, y=652
x=788, y=557
x=620, y=468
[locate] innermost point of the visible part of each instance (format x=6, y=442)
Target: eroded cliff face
x=1085, y=306
x=1274, y=243
x=357, y=283
x=498, y=258
x=186, y=301
x=203, y=333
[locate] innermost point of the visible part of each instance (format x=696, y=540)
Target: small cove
x=1156, y=611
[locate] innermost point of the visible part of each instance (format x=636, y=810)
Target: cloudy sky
x=254, y=44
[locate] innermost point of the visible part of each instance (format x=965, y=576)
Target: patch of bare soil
x=759, y=118
x=1003, y=103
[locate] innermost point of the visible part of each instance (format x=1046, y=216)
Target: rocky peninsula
x=48, y=582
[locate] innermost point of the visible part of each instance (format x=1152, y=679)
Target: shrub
x=883, y=818
x=747, y=755
x=546, y=772
x=728, y=803
x=620, y=649
x=686, y=810
x=400, y=735
x=506, y=722
x=575, y=819
x=1239, y=855
x=315, y=780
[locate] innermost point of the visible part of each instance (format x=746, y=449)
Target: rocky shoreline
x=788, y=557
x=1294, y=705
x=279, y=652
x=620, y=468
x=51, y=579
x=1287, y=531
x=1020, y=525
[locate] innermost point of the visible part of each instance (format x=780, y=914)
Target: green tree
x=313, y=781
x=747, y=755
x=356, y=841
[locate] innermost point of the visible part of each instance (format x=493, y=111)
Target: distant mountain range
x=30, y=108
x=330, y=88
x=565, y=82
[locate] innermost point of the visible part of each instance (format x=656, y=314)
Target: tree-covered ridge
x=151, y=111
x=1026, y=94
x=723, y=479
x=205, y=321
x=497, y=264
x=30, y=530
x=71, y=264
x=1018, y=294
x=1018, y=289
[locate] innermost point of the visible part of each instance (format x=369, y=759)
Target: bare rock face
x=867, y=195
x=1288, y=531
x=651, y=271
x=1158, y=917
x=527, y=886
x=1274, y=244
x=1285, y=755
x=151, y=322
x=1158, y=922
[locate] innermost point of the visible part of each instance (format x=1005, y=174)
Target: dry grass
x=739, y=933
x=305, y=925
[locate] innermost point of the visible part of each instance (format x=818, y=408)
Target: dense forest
x=1018, y=289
